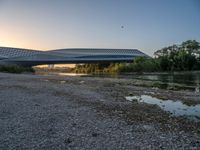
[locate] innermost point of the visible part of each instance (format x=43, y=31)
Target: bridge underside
x=25, y=57
x=36, y=63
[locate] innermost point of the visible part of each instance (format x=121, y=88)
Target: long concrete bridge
x=28, y=57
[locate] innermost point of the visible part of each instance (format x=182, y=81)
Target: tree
x=179, y=57
x=191, y=46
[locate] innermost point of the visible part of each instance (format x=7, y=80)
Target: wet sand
x=51, y=112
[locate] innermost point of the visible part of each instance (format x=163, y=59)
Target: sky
x=147, y=25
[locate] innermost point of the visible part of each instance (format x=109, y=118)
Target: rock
x=130, y=94
x=94, y=134
x=82, y=82
x=62, y=82
x=68, y=141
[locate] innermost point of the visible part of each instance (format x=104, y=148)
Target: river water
x=185, y=80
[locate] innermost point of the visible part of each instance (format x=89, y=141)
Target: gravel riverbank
x=51, y=112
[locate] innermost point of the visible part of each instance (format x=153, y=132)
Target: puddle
x=177, y=108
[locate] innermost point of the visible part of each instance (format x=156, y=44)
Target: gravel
x=50, y=112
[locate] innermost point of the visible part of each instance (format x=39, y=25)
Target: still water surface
x=176, y=108
x=189, y=80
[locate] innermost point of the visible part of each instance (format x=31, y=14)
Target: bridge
x=28, y=57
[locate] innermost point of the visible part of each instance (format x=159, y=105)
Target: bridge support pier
x=51, y=66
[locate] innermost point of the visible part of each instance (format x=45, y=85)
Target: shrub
x=15, y=69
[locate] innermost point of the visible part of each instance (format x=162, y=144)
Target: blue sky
x=148, y=25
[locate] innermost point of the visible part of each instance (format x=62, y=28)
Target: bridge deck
x=27, y=57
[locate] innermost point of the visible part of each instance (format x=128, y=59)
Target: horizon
x=143, y=25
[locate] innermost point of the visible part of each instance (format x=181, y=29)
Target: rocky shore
x=53, y=112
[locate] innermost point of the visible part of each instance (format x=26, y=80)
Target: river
x=189, y=80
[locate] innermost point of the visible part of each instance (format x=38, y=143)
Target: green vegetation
x=184, y=57
x=15, y=69
x=96, y=68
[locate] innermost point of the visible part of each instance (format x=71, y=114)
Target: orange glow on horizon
x=8, y=44
x=57, y=66
x=18, y=45
x=11, y=36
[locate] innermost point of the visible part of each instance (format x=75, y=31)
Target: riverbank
x=160, y=73
x=90, y=113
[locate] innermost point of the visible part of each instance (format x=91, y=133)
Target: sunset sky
x=147, y=25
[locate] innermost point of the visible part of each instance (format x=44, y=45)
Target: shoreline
x=160, y=73
x=83, y=112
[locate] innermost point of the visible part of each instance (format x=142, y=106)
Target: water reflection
x=177, y=108
x=71, y=74
x=61, y=74
x=187, y=80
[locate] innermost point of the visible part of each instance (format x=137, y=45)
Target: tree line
x=183, y=57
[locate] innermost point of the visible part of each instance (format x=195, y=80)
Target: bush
x=15, y=69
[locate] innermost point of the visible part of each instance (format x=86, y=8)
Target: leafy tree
x=191, y=46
